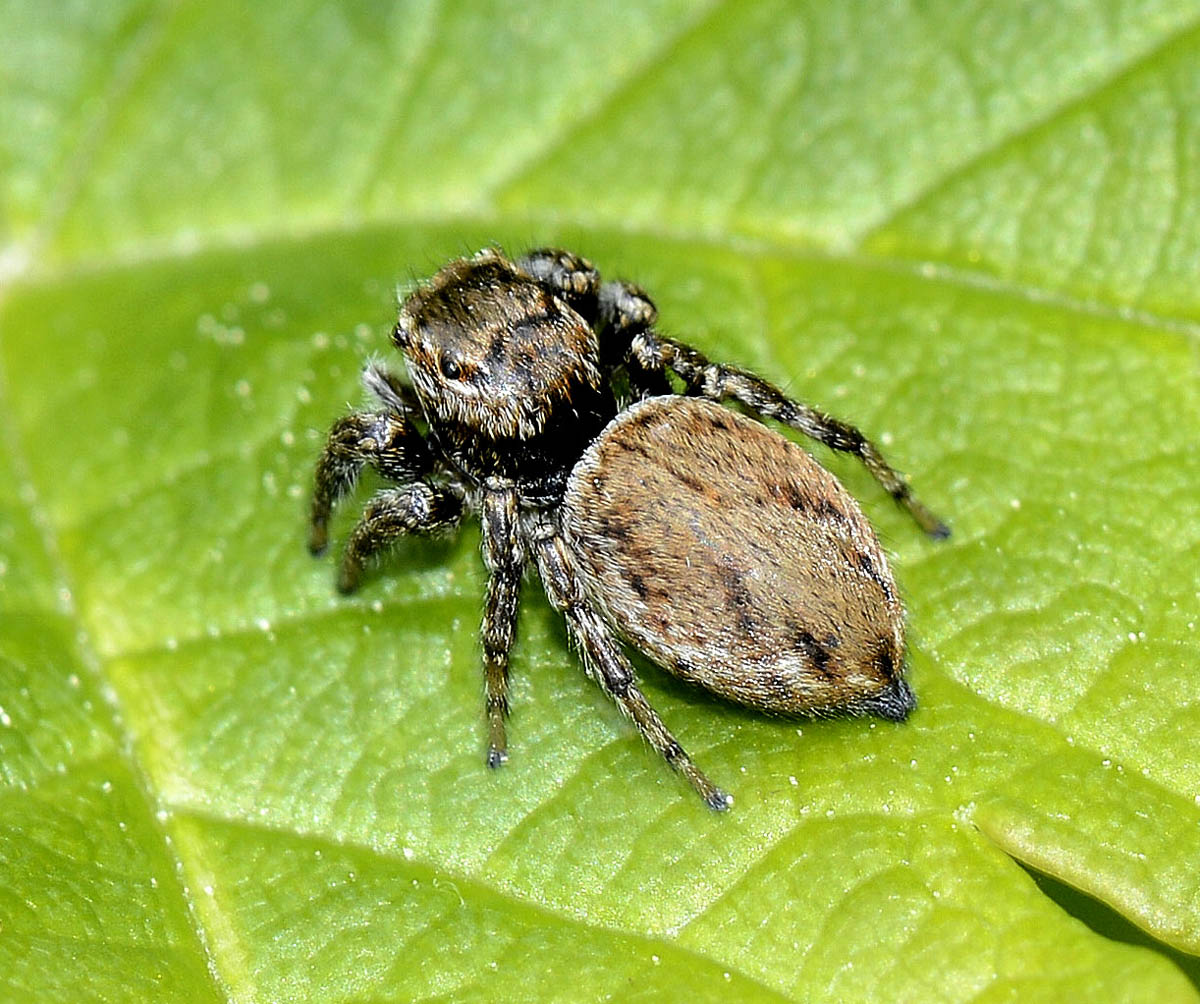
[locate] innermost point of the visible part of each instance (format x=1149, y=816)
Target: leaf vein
x=1034, y=127
x=557, y=140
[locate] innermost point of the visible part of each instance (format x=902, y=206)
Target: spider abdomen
x=729, y=556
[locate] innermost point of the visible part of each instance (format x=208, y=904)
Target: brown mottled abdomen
x=728, y=555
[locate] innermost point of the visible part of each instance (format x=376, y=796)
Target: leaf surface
x=969, y=229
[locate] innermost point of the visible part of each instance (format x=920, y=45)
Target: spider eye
x=451, y=368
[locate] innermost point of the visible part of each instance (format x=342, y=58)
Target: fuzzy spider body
x=729, y=556
x=539, y=400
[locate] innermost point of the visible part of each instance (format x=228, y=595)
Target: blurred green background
x=969, y=228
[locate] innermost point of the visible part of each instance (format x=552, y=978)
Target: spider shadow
x=667, y=692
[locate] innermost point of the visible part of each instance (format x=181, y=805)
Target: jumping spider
x=540, y=399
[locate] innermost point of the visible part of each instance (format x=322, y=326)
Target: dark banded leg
x=626, y=311
x=505, y=560
x=607, y=665
x=726, y=383
x=382, y=439
x=415, y=508
x=570, y=274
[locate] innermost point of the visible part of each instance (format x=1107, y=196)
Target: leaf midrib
x=158, y=253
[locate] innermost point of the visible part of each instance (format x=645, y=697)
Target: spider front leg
x=412, y=508
x=385, y=440
x=568, y=273
x=726, y=383
x=607, y=665
x=505, y=560
x=620, y=306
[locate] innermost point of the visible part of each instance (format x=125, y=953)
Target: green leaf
x=970, y=229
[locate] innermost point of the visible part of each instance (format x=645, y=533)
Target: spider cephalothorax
x=494, y=350
x=540, y=400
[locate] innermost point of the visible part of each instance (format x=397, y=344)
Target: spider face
x=493, y=350
x=699, y=536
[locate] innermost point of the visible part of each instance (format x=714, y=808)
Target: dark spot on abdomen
x=884, y=662
x=739, y=601
x=817, y=654
x=868, y=566
x=827, y=510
